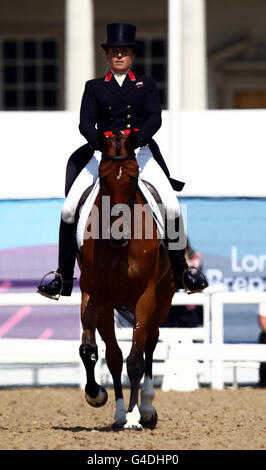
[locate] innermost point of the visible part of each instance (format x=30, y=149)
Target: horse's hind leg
x=148, y=412
x=114, y=360
x=95, y=394
x=164, y=293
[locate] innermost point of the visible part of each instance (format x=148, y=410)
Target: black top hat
x=120, y=34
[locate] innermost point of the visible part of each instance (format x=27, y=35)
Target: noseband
x=120, y=158
x=130, y=156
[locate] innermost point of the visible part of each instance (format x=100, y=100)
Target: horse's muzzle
x=120, y=229
x=118, y=243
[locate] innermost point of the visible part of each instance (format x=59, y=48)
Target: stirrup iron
x=203, y=279
x=55, y=297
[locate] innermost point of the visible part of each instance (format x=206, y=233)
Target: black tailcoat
x=134, y=105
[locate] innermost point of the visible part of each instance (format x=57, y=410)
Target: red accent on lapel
x=131, y=75
x=108, y=76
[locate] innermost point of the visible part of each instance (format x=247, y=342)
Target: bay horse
x=126, y=271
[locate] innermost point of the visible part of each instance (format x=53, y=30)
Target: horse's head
x=118, y=174
x=117, y=143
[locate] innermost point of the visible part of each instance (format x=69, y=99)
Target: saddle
x=123, y=314
x=149, y=195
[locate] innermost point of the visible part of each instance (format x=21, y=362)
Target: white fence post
x=217, y=338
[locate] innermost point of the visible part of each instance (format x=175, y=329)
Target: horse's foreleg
x=135, y=370
x=135, y=361
x=95, y=394
x=114, y=360
x=164, y=293
x=148, y=412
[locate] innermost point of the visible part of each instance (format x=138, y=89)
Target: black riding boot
x=183, y=276
x=262, y=368
x=62, y=284
x=179, y=265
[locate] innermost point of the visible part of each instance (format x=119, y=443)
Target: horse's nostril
x=118, y=243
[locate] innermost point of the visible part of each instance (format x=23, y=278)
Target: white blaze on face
x=119, y=174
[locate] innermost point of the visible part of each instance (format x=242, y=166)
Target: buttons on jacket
x=120, y=115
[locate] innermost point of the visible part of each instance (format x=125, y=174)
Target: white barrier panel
x=39, y=362
x=37, y=299
x=183, y=359
x=217, y=352
x=217, y=330
x=37, y=354
x=20, y=351
x=224, y=352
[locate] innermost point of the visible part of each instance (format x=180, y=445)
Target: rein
x=117, y=137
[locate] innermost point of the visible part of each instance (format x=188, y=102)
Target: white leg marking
x=133, y=418
x=146, y=408
x=120, y=412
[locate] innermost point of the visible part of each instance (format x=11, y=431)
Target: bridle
x=118, y=137
x=130, y=156
x=120, y=158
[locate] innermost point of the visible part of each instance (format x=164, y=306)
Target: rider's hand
x=136, y=139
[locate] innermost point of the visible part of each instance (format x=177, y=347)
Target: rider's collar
x=112, y=73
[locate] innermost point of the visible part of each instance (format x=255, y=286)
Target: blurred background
x=49, y=48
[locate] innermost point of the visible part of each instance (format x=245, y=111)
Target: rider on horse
x=120, y=100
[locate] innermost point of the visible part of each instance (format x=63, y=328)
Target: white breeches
x=149, y=171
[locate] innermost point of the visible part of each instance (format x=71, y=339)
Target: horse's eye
x=102, y=181
x=134, y=178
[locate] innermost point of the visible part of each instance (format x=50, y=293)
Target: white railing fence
x=219, y=299
x=182, y=356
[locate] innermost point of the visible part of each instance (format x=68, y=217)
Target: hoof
x=118, y=426
x=133, y=427
x=98, y=401
x=151, y=423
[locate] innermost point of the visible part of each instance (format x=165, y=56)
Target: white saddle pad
x=87, y=207
x=84, y=213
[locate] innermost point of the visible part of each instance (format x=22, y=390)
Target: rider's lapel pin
x=139, y=84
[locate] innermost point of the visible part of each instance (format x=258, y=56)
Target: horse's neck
x=139, y=198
